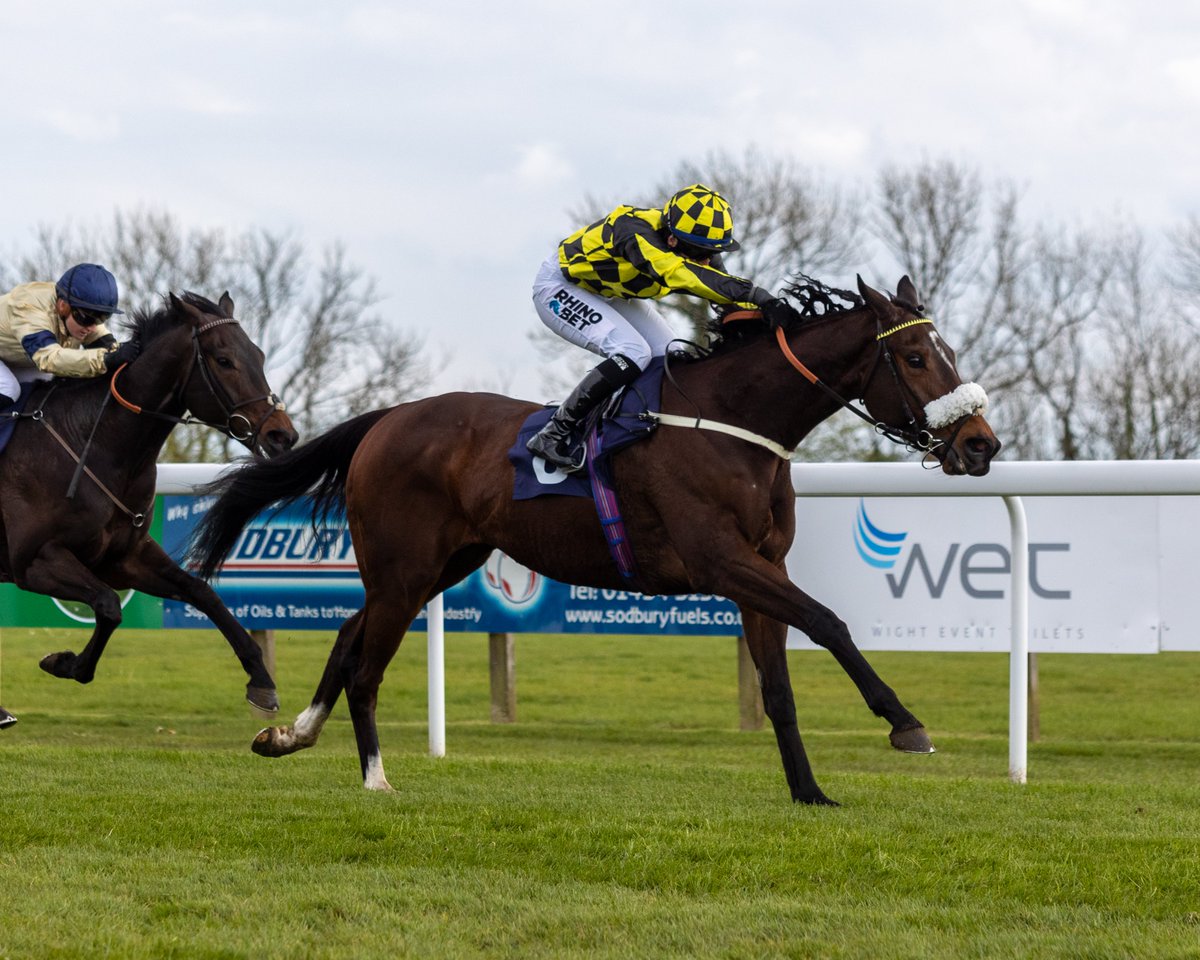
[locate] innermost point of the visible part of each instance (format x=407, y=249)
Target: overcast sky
x=442, y=143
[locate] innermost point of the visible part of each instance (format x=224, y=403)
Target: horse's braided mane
x=816, y=299
x=812, y=298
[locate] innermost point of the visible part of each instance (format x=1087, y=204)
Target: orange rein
x=792, y=358
x=783, y=344
x=112, y=386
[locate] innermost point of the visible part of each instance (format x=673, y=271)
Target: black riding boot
x=6, y=719
x=556, y=441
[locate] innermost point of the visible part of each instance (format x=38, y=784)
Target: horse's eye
x=224, y=362
x=915, y=360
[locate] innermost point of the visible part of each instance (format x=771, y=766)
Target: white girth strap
x=698, y=423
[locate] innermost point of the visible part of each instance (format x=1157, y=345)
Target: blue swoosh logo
x=877, y=548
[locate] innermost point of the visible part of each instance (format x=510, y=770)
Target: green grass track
x=623, y=815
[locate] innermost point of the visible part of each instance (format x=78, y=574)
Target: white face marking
x=937, y=346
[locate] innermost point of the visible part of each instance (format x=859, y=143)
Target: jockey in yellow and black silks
x=596, y=290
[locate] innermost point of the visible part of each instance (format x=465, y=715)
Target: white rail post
x=1018, y=662
x=437, y=677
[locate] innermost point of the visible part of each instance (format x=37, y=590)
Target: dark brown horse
x=428, y=492
x=195, y=357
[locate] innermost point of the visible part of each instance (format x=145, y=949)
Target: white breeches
x=633, y=328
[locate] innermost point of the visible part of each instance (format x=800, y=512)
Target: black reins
x=913, y=437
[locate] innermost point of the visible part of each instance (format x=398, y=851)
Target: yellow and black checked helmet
x=701, y=217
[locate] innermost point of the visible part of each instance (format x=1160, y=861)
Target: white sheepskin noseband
x=965, y=400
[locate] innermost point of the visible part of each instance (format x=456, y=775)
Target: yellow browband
x=903, y=326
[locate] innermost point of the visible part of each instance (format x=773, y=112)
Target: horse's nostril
x=983, y=446
x=281, y=440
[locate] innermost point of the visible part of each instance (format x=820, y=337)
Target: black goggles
x=88, y=318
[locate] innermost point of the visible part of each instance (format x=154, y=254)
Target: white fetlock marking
x=307, y=727
x=374, y=779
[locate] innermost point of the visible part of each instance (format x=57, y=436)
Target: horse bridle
x=229, y=407
x=913, y=436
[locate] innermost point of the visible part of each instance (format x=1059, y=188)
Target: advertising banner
x=1106, y=575
x=1178, y=591
x=282, y=574
x=934, y=574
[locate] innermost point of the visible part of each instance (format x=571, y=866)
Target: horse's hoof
x=819, y=800
x=264, y=743
x=262, y=698
x=913, y=740
x=61, y=665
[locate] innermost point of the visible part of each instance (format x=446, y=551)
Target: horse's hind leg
x=767, y=640
x=385, y=622
x=150, y=569
x=306, y=728
x=57, y=572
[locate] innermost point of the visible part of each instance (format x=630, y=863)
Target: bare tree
x=329, y=353
x=931, y=218
x=1185, y=243
x=1146, y=384
x=964, y=247
x=1059, y=297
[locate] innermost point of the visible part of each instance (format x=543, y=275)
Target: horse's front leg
x=753, y=582
x=55, y=571
x=304, y=730
x=150, y=569
x=767, y=640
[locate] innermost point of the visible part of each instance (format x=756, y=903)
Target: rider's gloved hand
x=780, y=313
x=124, y=353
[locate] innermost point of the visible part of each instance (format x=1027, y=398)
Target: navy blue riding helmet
x=89, y=286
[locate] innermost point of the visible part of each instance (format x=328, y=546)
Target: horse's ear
x=226, y=304
x=875, y=300
x=906, y=293
x=190, y=313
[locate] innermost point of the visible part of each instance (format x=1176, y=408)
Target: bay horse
x=81, y=531
x=428, y=492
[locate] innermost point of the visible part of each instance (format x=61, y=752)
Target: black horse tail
x=318, y=467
